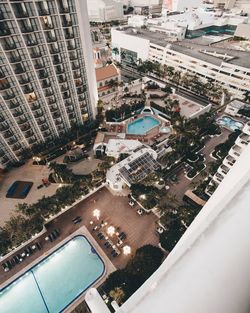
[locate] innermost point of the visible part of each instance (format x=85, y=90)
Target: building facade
x=47, y=78
x=229, y=67
x=234, y=154
x=107, y=78
x=104, y=10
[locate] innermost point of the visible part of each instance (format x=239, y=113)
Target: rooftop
x=197, y=49
x=106, y=72
x=236, y=104
x=122, y=145
x=134, y=168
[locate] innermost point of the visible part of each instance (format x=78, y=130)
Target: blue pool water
x=142, y=125
x=230, y=123
x=51, y=285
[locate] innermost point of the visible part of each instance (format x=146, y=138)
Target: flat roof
x=195, y=49
x=240, y=58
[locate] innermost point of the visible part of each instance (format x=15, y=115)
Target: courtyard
x=139, y=230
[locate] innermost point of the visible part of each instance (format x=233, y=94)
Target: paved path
x=183, y=183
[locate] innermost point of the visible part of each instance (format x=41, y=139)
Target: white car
x=140, y=211
x=131, y=203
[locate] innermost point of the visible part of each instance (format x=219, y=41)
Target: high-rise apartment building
x=47, y=78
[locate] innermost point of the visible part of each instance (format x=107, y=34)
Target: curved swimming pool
x=142, y=125
x=230, y=123
x=56, y=281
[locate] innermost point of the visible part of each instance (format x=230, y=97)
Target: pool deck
x=109, y=267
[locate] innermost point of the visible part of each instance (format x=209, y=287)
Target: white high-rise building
x=180, y=5
x=104, y=10
x=47, y=78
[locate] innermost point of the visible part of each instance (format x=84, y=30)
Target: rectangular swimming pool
x=142, y=125
x=56, y=281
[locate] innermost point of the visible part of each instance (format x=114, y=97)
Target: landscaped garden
x=123, y=112
x=121, y=284
x=222, y=149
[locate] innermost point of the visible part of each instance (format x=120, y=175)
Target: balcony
x=27, y=89
x=51, y=39
x=2, y=17
x=54, y=50
x=53, y=109
x=24, y=81
x=43, y=74
x=5, y=127
x=67, y=23
x=77, y=75
x=57, y=60
x=16, y=147
x=64, y=88
x=4, y=31
x=66, y=96
x=2, y=74
x=71, y=47
x=62, y=79
x=36, y=54
x=12, y=141
x=27, y=29
x=43, y=12
x=22, y=120
x=46, y=84
x=29, y=134
x=4, y=86
x=31, y=97
x=73, y=57
x=25, y=127
x=44, y=127
x=20, y=11
x=19, y=69
x=246, y=128
x=18, y=113
x=14, y=105
x=38, y=114
x=56, y=115
x=69, y=35
x=35, y=107
x=10, y=46
x=51, y=101
x=32, y=140
x=48, y=93
x=64, y=9
x=15, y=59
x=32, y=43
x=9, y=96
x=75, y=67
x=8, y=134
x=41, y=121
x=81, y=98
x=59, y=70
x=39, y=65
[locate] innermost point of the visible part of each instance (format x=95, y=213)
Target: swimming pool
x=230, y=123
x=142, y=125
x=55, y=282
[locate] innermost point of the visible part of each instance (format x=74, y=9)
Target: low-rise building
x=107, y=80
x=230, y=68
x=234, y=106
x=104, y=10
x=133, y=169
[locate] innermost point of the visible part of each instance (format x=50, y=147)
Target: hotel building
x=47, y=77
x=230, y=68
